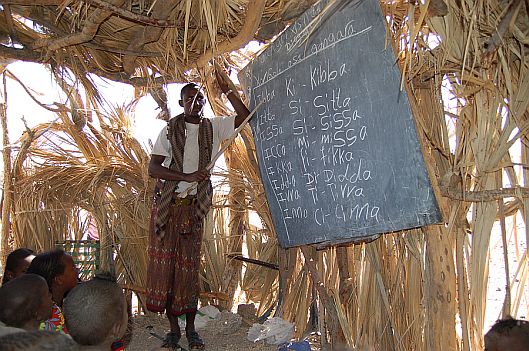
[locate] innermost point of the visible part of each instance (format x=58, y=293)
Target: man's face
x=193, y=102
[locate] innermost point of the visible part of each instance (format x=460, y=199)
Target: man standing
x=179, y=157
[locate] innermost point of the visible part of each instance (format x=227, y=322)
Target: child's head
x=508, y=334
x=25, y=302
x=57, y=268
x=37, y=340
x=96, y=312
x=17, y=263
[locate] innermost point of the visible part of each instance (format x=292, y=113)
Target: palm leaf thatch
x=62, y=171
x=465, y=67
x=140, y=41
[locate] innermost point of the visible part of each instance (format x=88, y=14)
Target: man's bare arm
x=157, y=170
x=240, y=108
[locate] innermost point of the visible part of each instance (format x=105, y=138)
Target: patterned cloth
x=56, y=321
x=172, y=274
x=176, y=133
x=56, y=324
x=174, y=258
x=117, y=346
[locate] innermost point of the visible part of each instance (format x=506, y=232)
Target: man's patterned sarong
x=173, y=270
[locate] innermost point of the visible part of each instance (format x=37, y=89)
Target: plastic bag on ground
x=210, y=311
x=274, y=331
x=204, y=315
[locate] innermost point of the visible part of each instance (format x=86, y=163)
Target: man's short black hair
x=188, y=87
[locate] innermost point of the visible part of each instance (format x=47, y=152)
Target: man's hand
x=235, y=101
x=197, y=176
x=223, y=85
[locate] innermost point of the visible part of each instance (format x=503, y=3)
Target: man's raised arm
x=240, y=108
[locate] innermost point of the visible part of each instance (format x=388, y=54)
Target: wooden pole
x=462, y=288
x=506, y=309
x=484, y=195
x=284, y=270
x=326, y=300
x=7, y=194
x=232, y=272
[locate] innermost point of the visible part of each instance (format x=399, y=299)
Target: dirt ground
x=219, y=339
x=215, y=338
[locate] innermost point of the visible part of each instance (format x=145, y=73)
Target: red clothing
x=173, y=270
x=56, y=321
x=117, y=346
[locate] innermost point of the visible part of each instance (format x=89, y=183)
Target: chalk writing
x=334, y=136
x=277, y=70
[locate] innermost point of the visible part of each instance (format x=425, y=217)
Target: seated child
x=508, y=334
x=96, y=312
x=60, y=273
x=37, y=340
x=17, y=263
x=25, y=301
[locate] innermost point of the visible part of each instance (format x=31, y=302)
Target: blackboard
x=337, y=145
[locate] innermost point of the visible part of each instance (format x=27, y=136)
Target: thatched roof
x=421, y=289
x=136, y=41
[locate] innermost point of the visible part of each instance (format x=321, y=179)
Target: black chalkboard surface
x=337, y=146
